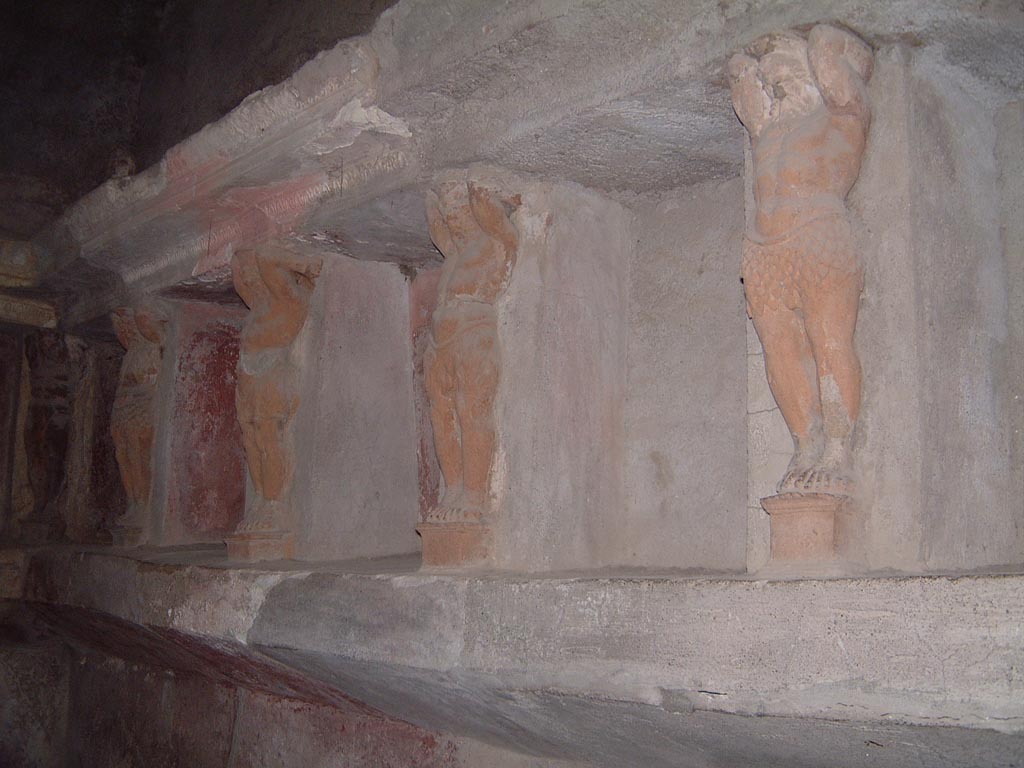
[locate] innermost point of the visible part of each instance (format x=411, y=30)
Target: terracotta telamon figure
x=141, y=333
x=805, y=105
x=276, y=285
x=52, y=362
x=470, y=225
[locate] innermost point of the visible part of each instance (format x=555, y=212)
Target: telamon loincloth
x=814, y=261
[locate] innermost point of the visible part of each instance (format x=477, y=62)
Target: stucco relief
x=470, y=225
x=277, y=285
x=804, y=104
x=142, y=333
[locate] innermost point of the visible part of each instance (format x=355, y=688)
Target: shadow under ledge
x=615, y=668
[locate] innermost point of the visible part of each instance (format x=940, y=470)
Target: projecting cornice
x=627, y=98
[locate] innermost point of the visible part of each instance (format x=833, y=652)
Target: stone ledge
x=546, y=664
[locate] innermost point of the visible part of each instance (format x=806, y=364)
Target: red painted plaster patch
x=207, y=493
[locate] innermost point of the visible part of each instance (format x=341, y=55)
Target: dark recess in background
x=96, y=88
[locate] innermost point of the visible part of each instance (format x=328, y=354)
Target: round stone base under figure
x=804, y=526
x=255, y=546
x=453, y=545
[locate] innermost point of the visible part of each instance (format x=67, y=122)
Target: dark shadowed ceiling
x=95, y=88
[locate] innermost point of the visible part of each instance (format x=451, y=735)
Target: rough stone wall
x=686, y=468
x=355, y=480
x=34, y=678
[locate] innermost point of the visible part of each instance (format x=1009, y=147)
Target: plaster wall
x=769, y=449
x=558, y=475
x=938, y=339
x=1009, y=362
x=355, y=433
x=972, y=516
x=686, y=466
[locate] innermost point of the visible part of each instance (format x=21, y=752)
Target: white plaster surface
x=355, y=485
x=970, y=513
x=1009, y=359
x=562, y=337
x=686, y=390
x=935, y=432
